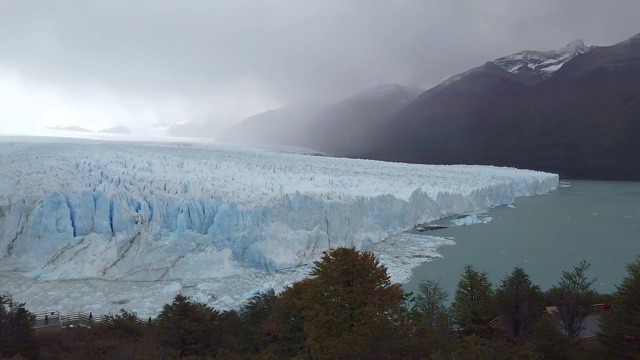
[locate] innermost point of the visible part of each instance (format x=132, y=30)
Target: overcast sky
x=150, y=64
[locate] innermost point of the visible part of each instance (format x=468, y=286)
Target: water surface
x=592, y=220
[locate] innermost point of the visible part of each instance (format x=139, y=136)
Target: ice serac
x=151, y=212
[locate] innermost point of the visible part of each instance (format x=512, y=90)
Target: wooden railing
x=56, y=321
x=48, y=321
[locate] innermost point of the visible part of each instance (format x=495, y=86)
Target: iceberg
x=471, y=219
x=144, y=211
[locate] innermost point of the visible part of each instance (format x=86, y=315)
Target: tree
x=430, y=324
x=549, y=340
x=188, y=327
x=620, y=326
x=473, y=306
x=281, y=334
x=230, y=328
x=519, y=303
x=429, y=304
x=350, y=306
x=253, y=314
x=573, y=293
x=125, y=324
x=474, y=347
x=17, y=336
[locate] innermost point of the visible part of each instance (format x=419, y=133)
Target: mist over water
x=596, y=221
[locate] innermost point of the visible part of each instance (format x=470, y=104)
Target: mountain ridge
x=574, y=111
x=581, y=122
x=339, y=128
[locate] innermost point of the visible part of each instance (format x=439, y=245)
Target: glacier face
x=171, y=211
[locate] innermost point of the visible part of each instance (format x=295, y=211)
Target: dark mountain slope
x=350, y=125
x=581, y=122
x=286, y=126
x=346, y=127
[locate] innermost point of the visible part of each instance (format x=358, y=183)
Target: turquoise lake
x=595, y=221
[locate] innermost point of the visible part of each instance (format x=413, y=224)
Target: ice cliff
x=151, y=212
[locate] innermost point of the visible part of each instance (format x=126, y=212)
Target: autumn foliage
x=349, y=309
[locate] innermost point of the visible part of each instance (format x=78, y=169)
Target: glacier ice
x=399, y=254
x=177, y=211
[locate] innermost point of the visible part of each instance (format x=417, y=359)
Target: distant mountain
x=119, y=129
x=346, y=127
x=286, y=126
x=69, y=128
x=574, y=111
x=528, y=67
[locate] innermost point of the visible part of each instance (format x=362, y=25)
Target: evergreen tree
x=473, y=306
x=574, y=291
x=430, y=323
x=551, y=342
x=188, y=327
x=351, y=306
x=519, y=303
x=620, y=326
x=429, y=304
x=17, y=336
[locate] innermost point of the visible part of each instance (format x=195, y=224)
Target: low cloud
x=213, y=62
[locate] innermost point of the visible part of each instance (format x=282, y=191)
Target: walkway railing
x=55, y=321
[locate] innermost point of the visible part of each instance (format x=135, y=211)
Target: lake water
x=583, y=220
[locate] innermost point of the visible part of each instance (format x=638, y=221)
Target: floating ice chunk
x=209, y=286
x=251, y=293
x=511, y=206
x=201, y=298
x=471, y=219
x=172, y=288
x=226, y=302
x=403, y=252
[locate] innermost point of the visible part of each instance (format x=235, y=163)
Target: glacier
x=161, y=212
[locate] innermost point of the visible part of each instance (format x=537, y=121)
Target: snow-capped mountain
x=541, y=64
x=161, y=212
x=529, y=66
x=572, y=111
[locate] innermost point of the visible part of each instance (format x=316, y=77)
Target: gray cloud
x=280, y=51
